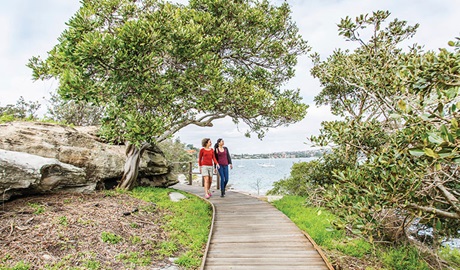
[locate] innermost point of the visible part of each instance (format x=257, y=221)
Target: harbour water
x=256, y=176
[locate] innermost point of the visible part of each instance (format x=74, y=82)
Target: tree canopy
x=156, y=67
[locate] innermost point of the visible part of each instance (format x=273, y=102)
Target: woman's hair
x=217, y=143
x=205, y=141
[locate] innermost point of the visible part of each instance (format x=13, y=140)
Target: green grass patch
x=451, y=255
x=403, y=258
x=134, y=259
x=111, y=238
x=18, y=266
x=316, y=222
x=38, y=208
x=187, y=223
x=353, y=247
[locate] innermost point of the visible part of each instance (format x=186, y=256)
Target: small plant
x=85, y=222
x=39, y=209
x=92, y=264
x=134, y=225
x=167, y=248
x=135, y=239
x=6, y=257
x=18, y=266
x=63, y=221
x=67, y=201
x=5, y=118
x=135, y=258
x=111, y=238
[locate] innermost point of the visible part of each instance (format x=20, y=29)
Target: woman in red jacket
x=207, y=161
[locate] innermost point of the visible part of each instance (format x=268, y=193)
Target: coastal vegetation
x=386, y=192
x=346, y=250
x=392, y=174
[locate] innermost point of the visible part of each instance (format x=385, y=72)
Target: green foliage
x=92, y=264
x=108, y=237
x=63, y=221
x=317, y=222
x=404, y=258
x=176, y=152
x=18, y=266
x=355, y=247
x=451, y=255
x=155, y=67
x=398, y=137
x=5, y=118
x=306, y=177
x=38, y=208
x=167, y=248
x=134, y=259
x=79, y=113
x=21, y=110
x=187, y=224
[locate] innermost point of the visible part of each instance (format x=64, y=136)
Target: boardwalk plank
x=251, y=234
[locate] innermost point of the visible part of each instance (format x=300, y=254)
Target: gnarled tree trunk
x=131, y=169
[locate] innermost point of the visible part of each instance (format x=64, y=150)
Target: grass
x=317, y=223
x=187, y=224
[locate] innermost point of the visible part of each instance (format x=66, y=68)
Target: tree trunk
x=131, y=170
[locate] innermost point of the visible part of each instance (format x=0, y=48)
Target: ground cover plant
x=103, y=230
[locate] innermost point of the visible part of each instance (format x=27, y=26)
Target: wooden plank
x=252, y=234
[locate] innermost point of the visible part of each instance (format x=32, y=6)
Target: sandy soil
x=67, y=230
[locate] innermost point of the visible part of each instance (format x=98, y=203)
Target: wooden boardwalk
x=249, y=233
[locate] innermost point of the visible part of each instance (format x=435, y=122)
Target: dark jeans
x=223, y=172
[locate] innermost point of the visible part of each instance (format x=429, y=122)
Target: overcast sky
x=30, y=28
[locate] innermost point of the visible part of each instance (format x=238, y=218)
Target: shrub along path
x=249, y=233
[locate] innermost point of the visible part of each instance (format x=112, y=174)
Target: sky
x=31, y=28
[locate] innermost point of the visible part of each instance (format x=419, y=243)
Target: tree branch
x=437, y=212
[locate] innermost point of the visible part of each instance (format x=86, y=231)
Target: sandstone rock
x=102, y=163
x=22, y=173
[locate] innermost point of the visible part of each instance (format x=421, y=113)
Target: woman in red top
x=207, y=161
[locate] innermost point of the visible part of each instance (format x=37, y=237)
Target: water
x=250, y=177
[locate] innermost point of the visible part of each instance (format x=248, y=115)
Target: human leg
x=207, y=178
x=225, y=170
x=222, y=180
x=206, y=186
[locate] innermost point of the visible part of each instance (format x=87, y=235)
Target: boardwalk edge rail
x=318, y=249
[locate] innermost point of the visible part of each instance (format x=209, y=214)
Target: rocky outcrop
x=22, y=173
x=102, y=163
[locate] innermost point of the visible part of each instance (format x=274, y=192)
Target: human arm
x=215, y=160
x=229, y=158
x=200, y=158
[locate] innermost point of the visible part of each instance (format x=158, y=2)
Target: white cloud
x=30, y=28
